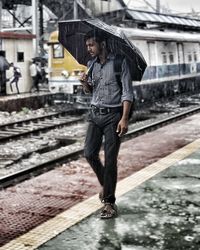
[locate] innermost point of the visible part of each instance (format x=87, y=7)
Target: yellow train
x=64, y=70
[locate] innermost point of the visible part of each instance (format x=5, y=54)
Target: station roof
x=157, y=35
x=152, y=17
x=12, y=35
x=145, y=17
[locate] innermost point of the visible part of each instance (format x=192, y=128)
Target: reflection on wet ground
x=162, y=213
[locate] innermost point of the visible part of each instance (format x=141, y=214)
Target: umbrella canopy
x=72, y=33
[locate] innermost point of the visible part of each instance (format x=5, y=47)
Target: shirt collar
x=110, y=56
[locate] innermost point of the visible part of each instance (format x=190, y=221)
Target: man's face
x=93, y=48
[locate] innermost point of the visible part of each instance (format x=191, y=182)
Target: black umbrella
x=72, y=33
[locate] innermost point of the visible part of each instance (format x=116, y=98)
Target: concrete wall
x=33, y=102
x=149, y=93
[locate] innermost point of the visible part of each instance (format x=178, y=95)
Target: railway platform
x=33, y=100
x=157, y=197
x=158, y=209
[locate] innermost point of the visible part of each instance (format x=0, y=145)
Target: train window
x=2, y=53
x=189, y=57
x=195, y=56
x=58, y=51
x=164, y=57
x=171, y=57
x=20, y=56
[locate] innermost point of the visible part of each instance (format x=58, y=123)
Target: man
x=35, y=75
x=110, y=106
x=15, y=78
x=4, y=65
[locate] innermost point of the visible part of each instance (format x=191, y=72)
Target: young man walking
x=108, y=118
x=15, y=78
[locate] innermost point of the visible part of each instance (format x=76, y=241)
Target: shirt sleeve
x=88, y=80
x=88, y=66
x=127, y=87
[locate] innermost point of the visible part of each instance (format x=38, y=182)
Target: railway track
x=65, y=154
x=32, y=126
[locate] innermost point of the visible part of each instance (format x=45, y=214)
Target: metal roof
x=156, y=35
x=151, y=17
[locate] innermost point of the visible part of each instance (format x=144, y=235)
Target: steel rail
x=12, y=130
x=28, y=120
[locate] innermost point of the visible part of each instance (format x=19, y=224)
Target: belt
x=105, y=110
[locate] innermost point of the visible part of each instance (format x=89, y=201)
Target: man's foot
x=109, y=211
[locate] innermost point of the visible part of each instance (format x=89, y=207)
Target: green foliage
x=25, y=110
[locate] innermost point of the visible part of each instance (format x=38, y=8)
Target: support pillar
x=35, y=29
x=75, y=10
x=0, y=15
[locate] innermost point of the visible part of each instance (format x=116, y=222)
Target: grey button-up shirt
x=106, y=90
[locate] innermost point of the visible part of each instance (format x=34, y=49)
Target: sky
x=181, y=6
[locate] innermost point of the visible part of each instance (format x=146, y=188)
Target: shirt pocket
x=111, y=88
x=96, y=78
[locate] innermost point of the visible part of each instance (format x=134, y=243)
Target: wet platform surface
x=161, y=213
x=39, y=209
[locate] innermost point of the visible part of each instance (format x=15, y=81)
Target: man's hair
x=97, y=35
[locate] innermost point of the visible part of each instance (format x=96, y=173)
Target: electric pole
x=41, y=30
x=0, y=15
x=75, y=9
x=35, y=26
x=158, y=6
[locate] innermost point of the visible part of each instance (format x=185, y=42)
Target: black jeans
x=3, y=82
x=15, y=80
x=99, y=126
x=35, y=83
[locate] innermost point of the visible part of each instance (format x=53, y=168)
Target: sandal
x=109, y=211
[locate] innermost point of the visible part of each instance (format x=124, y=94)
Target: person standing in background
x=4, y=65
x=34, y=75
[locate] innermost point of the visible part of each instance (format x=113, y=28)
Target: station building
x=18, y=48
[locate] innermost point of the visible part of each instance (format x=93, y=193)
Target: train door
x=181, y=58
x=152, y=52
